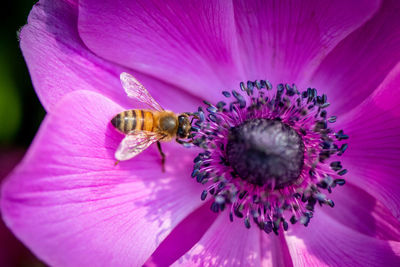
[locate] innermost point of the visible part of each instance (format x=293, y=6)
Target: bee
x=143, y=127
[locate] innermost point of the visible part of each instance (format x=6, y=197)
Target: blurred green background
x=20, y=115
x=20, y=109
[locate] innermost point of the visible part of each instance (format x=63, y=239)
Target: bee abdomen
x=134, y=119
x=147, y=122
x=125, y=121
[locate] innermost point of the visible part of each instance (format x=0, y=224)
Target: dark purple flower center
x=268, y=155
x=265, y=151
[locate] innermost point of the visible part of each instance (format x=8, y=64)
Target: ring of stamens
x=268, y=155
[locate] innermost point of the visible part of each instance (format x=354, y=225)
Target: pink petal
x=183, y=237
x=362, y=212
x=284, y=41
x=72, y=207
x=59, y=62
x=374, y=149
x=328, y=243
x=225, y=244
x=356, y=67
x=184, y=43
x=274, y=250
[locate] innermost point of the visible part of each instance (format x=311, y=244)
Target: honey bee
x=144, y=127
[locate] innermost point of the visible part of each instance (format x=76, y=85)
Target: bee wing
x=134, y=143
x=134, y=89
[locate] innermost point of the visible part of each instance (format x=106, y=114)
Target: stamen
x=267, y=154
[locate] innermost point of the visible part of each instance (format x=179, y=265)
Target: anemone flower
x=72, y=206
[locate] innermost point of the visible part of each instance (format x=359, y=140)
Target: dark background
x=20, y=109
x=20, y=116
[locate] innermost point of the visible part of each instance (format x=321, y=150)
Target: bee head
x=184, y=126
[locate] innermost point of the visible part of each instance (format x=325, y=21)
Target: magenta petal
x=184, y=43
x=225, y=244
x=356, y=67
x=363, y=213
x=285, y=41
x=59, y=62
x=328, y=243
x=374, y=149
x=274, y=250
x=72, y=206
x=183, y=237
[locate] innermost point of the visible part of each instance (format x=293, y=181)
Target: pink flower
x=69, y=204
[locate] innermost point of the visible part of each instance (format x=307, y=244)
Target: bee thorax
x=167, y=123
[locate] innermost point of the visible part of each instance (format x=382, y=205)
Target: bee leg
x=179, y=141
x=162, y=156
x=193, y=115
x=184, y=143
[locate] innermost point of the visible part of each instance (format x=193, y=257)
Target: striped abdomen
x=134, y=119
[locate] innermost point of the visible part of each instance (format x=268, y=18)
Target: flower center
x=265, y=151
x=268, y=154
